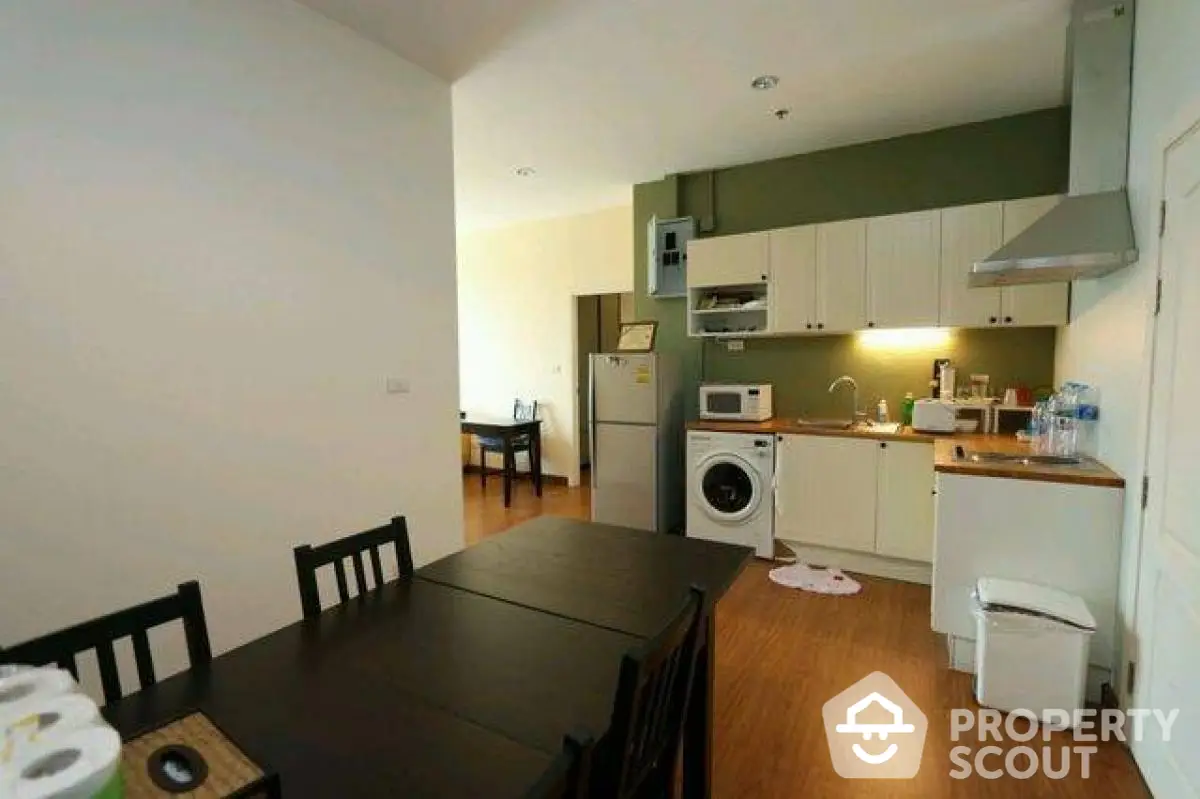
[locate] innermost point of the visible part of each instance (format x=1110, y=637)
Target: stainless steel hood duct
x=1090, y=233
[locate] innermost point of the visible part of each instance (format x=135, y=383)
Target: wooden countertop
x=790, y=426
x=1091, y=473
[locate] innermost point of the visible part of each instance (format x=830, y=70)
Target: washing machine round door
x=728, y=488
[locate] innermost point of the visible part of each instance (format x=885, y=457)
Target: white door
x=969, y=233
x=825, y=491
x=1038, y=304
x=624, y=388
x=904, y=518
x=842, y=276
x=903, y=269
x=1167, y=624
x=728, y=260
x=793, y=279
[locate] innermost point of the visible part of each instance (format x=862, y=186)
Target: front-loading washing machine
x=731, y=492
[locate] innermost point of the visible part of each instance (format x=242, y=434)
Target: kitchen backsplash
x=884, y=363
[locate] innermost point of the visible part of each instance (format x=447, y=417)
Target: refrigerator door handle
x=592, y=418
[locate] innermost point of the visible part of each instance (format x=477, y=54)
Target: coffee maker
x=935, y=384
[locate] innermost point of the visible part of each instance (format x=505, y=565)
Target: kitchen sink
x=1018, y=459
x=826, y=424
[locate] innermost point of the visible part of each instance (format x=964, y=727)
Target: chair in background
x=309, y=559
x=522, y=412
x=60, y=648
x=649, y=710
x=568, y=774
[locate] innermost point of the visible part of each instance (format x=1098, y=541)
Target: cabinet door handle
x=1008, y=320
x=820, y=325
x=870, y=324
x=993, y=319
x=809, y=326
x=763, y=278
x=883, y=445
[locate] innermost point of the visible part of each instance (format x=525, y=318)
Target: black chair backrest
x=309, y=559
x=60, y=648
x=524, y=411
x=651, y=701
x=568, y=774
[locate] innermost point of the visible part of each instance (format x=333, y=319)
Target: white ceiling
x=600, y=94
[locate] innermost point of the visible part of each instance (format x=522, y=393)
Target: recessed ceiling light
x=764, y=82
x=525, y=171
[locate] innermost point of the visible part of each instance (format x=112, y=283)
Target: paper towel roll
x=24, y=684
x=75, y=765
x=42, y=720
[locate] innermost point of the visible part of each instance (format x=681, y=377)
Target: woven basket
x=230, y=772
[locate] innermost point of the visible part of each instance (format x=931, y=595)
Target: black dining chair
x=568, y=774
x=649, y=710
x=522, y=412
x=310, y=558
x=60, y=648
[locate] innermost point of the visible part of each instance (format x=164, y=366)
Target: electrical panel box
x=666, y=274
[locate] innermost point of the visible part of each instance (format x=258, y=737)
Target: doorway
x=599, y=318
x=1167, y=622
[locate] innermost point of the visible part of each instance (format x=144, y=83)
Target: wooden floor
x=782, y=653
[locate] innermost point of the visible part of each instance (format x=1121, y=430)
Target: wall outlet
x=398, y=385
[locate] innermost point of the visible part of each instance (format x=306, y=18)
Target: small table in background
x=507, y=430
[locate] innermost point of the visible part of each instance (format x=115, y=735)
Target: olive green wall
x=1018, y=156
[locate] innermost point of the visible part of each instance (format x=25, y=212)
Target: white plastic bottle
x=881, y=412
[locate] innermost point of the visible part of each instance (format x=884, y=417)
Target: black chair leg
x=483, y=468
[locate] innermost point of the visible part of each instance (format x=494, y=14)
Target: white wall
x=223, y=225
x=516, y=304
x=1109, y=340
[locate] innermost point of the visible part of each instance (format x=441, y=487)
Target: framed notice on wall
x=637, y=337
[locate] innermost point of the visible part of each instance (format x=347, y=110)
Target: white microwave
x=736, y=403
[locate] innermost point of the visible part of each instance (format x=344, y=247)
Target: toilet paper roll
x=75, y=765
x=42, y=720
x=21, y=685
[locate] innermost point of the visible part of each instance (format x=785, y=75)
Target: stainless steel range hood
x=1090, y=233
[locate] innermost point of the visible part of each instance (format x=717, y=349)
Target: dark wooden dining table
x=452, y=684
x=508, y=430
x=610, y=578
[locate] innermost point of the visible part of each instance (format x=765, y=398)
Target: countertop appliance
x=636, y=447
x=736, y=402
x=731, y=494
x=934, y=416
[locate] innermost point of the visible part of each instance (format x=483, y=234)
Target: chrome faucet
x=847, y=380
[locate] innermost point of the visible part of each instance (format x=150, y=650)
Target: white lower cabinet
x=825, y=491
x=905, y=505
x=855, y=494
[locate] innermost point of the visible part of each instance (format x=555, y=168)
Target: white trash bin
x=1031, y=647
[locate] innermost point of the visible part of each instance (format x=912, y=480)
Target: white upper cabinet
x=728, y=260
x=903, y=270
x=905, y=517
x=818, y=278
x=842, y=276
x=969, y=233
x=793, y=279
x=1038, y=304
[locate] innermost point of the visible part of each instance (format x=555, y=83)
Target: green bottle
x=906, y=411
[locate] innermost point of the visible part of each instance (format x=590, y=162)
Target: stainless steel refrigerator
x=637, y=441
